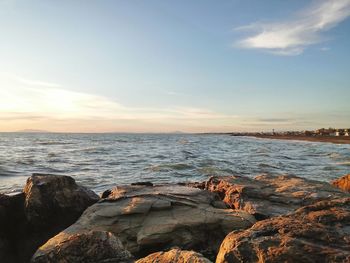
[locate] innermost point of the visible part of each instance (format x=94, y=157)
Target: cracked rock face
x=314, y=233
x=267, y=195
x=147, y=219
x=175, y=255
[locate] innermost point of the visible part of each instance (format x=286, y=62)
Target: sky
x=165, y=66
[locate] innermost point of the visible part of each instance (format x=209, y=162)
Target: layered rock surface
x=151, y=218
x=175, y=255
x=266, y=195
x=314, y=233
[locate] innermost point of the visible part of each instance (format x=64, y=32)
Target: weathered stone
x=48, y=205
x=93, y=246
x=52, y=203
x=174, y=256
x=12, y=222
x=314, y=233
x=148, y=219
x=266, y=195
x=343, y=183
x=54, y=199
x=6, y=253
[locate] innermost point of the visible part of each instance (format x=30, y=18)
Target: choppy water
x=100, y=161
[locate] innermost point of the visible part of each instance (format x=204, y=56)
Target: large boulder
x=12, y=222
x=174, y=255
x=55, y=200
x=151, y=218
x=52, y=203
x=315, y=233
x=48, y=205
x=267, y=195
x=343, y=183
x=93, y=246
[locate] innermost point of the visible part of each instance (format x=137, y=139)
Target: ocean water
x=101, y=161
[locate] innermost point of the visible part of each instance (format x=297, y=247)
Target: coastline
x=327, y=139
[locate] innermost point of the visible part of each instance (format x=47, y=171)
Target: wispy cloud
x=27, y=101
x=291, y=37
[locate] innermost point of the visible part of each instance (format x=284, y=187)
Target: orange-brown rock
x=267, y=195
x=343, y=183
x=315, y=233
x=175, y=255
x=93, y=246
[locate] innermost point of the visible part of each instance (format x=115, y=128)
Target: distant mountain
x=33, y=131
x=177, y=132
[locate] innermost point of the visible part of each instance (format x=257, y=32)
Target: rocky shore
x=224, y=219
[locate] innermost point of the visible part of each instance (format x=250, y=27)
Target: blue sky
x=160, y=66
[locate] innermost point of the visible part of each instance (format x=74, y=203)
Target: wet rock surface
x=343, y=183
x=175, y=255
x=151, y=218
x=266, y=195
x=314, y=233
x=93, y=246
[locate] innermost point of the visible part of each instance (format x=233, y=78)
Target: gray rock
x=151, y=218
x=55, y=199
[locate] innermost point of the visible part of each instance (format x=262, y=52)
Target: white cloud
x=291, y=37
x=22, y=99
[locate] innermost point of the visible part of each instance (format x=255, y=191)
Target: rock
x=151, y=218
x=93, y=246
x=28, y=219
x=6, y=253
x=12, y=221
x=174, y=256
x=55, y=200
x=343, y=183
x=143, y=183
x=266, y=195
x=314, y=233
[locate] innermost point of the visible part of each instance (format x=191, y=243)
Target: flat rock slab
x=175, y=255
x=267, y=195
x=315, y=233
x=151, y=218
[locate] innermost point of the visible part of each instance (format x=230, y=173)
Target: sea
x=102, y=161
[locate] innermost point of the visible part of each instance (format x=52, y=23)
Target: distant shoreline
x=329, y=139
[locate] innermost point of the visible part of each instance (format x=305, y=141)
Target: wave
x=347, y=163
x=53, y=143
x=265, y=165
x=169, y=167
x=334, y=155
